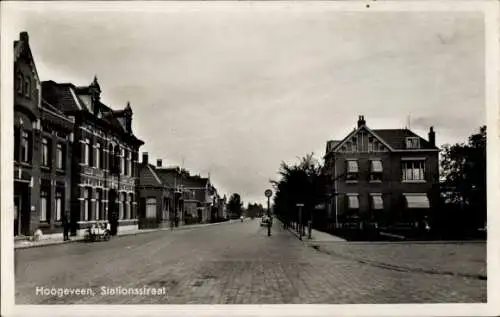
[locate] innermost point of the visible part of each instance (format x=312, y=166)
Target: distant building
x=155, y=197
x=386, y=176
x=104, y=158
x=43, y=138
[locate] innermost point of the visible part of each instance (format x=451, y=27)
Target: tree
x=302, y=183
x=255, y=210
x=235, y=204
x=463, y=170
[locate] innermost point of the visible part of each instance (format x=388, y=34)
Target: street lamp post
x=268, y=194
x=300, y=220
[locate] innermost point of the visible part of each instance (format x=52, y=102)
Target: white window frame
x=150, y=203
x=44, y=205
x=410, y=172
x=25, y=145
x=59, y=204
x=59, y=156
x=86, y=204
x=45, y=152
x=122, y=161
x=86, y=149
x=412, y=142
x=97, y=157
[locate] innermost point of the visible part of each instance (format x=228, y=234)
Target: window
x=86, y=152
x=86, y=204
x=27, y=88
x=97, y=155
x=19, y=84
x=376, y=170
x=98, y=201
x=352, y=170
x=129, y=162
x=59, y=205
x=17, y=143
x=353, y=201
x=151, y=208
x=44, y=206
x=413, y=170
x=412, y=143
x=25, y=147
x=122, y=162
x=45, y=152
x=122, y=206
x=377, y=202
x=127, y=206
x=59, y=156
x=417, y=201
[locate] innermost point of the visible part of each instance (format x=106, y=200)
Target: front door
x=113, y=211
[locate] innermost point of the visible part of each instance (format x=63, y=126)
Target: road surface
x=230, y=263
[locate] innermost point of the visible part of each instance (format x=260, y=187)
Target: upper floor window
x=25, y=147
x=19, y=84
x=45, y=152
x=413, y=170
x=86, y=152
x=59, y=156
x=122, y=161
x=413, y=143
x=27, y=87
x=98, y=155
x=376, y=170
x=352, y=170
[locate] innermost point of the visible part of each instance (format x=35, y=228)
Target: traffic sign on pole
x=268, y=193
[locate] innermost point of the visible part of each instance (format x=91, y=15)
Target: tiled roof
x=148, y=176
x=396, y=138
x=59, y=96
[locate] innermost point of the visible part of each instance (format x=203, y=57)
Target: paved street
x=237, y=263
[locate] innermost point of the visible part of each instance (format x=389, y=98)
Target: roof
x=148, y=176
x=396, y=138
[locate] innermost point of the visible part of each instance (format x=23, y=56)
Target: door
x=113, y=212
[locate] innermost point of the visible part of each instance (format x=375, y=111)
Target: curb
x=79, y=239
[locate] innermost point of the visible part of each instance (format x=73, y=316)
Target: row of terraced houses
x=77, y=158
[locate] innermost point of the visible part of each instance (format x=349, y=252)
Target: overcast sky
x=236, y=90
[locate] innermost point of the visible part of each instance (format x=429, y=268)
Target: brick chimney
x=158, y=163
x=145, y=157
x=432, y=136
x=23, y=36
x=361, y=121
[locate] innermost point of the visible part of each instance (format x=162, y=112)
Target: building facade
x=43, y=138
x=382, y=177
x=104, y=159
x=155, y=197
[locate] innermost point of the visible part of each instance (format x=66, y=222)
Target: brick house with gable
x=381, y=176
x=155, y=196
x=43, y=138
x=104, y=160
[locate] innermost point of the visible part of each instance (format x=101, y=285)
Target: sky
x=232, y=91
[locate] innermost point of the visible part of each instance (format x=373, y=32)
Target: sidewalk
x=24, y=244
x=316, y=236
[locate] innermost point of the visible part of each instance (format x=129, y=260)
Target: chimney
x=23, y=36
x=158, y=163
x=145, y=158
x=432, y=136
x=361, y=121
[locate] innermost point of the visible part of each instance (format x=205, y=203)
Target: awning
x=376, y=166
x=353, y=202
x=417, y=201
x=377, y=202
x=352, y=166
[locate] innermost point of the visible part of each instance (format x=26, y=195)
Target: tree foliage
x=235, y=204
x=255, y=210
x=463, y=171
x=302, y=183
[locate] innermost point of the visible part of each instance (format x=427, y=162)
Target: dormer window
x=412, y=143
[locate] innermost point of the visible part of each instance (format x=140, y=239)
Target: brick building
x=384, y=176
x=42, y=151
x=155, y=196
x=104, y=158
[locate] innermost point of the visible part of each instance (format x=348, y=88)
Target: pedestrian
x=66, y=224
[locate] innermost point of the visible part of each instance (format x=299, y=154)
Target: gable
x=362, y=140
x=148, y=177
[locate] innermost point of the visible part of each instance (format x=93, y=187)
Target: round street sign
x=268, y=193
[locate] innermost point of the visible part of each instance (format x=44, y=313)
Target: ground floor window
x=86, y=204
x=352, y=201
x=151, y=208
x=44, y=205
x=59, y=205
x=98, y=205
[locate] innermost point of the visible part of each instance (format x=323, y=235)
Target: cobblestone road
x=232, y=264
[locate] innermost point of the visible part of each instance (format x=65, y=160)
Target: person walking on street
x=65, y=223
